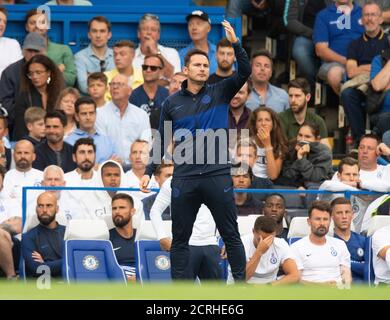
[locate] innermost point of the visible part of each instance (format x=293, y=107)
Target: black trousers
x=204, y=262
x=216, y=192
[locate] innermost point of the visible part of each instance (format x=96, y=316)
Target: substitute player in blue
x=198, y=178
x=342, y=215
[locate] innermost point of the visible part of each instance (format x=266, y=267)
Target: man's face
x=261, y=69
x=123, y=57
x=152, y=69
x=165, y=174
x=149, y=30
x=37, y=23
x=111, y=177
x=274, y=208
x=298, y=100
x=349, y=173
x=258, y=236
x=29, y=53
x=247, y=154
x=96, y=89
x=86, y=117
x=242, y=181
x=46, y=208
x=53, y=178
x=175, y=83
x=139, y=155
x=85, y=157
x=24, y=155
x=122, y=211
x=240, y=98
x=342, y=216
x=54, y=130
x=198, y=68
x=119, y=88
x=319, y=222
x=99, y=34
x=198, y=29
x=3, y=23
x=225, y=58
x=367, y=153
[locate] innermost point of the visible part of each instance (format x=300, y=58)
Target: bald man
x=23, y=174
x=43, y=244
x=122, y=121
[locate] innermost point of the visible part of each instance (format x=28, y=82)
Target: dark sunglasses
x=102, y=67
x=153, y=68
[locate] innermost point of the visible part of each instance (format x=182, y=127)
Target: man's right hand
x=143, y=184
x=264, y=244
x=165, y=244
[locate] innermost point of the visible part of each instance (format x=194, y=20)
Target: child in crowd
x=66, y=101
x=34, y=118
x=97, y=87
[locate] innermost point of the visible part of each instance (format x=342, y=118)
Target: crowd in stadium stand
x=86, y=120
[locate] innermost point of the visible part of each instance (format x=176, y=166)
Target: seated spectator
x=199, y=26
x=43, y=245
x=238, y=112
x=33, y=44
x=299, y=21
x=163, y=172
x=85, y=114
x=342, y=217
x=265, y=254
x=265, y=130
x=380, y=79
x=60, y=54
x=122, y=121
x=275, y=208
x=361, y=52
x=97, y=87
x=308, y=160
x=381, y=255
x=68, y=3
x=122, y=236
x=97, y=57
x=322, y=259
x=41, y=84
x=262, y=92
x=225, y=61
x=5, y=146
x=123, y=59
x=331, y=40
x=176, y=81
x=149, y=96
x=34, y=118
x=9, y=48
x=245, y=202
x=293, y=118
x=65, y=102
x=54, y=150
x=149, y=34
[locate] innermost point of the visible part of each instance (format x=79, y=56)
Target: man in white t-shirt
x=24, y=174
x=265, y=254
x=381, y=255
x=9, y=48
x=322, y=259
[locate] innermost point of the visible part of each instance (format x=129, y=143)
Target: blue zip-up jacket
x=190, y=115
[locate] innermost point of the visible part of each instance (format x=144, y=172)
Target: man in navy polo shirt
x=361, y=51
x=335, y=27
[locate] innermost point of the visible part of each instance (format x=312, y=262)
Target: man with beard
x=322, y=259
x=292, y=119
x=238, y=112
x=54, y=150
x=225, y=60
x=84, y=154
x=23, y=174
x=123, y=235
x=42, y=245
x=275, y=208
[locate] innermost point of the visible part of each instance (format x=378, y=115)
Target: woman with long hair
x=41, y=84
x=65, y=102
x=265, y=130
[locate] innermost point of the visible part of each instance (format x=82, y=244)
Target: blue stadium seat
x=224, y=264
x=90, y=260
x=152, y=263
x=369, y=275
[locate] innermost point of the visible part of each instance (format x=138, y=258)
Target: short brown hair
x=194, y=52
x=263, y=53
x=34, y=114
x=319, y=205
x=347, y=161
x=265, y=224
x=224, y=43
x=123, y=196
x=300, y=83
x=125, y=43
x=100, y=19
x=97, y=76
x=4, y=11
x=162, y=166
x=339, y=200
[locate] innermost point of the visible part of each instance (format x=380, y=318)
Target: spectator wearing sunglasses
x=150, y=96
x=124, y=51
x=97, y=57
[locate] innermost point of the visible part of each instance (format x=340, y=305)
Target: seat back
x=376, y=223
x=246, y=223
x=90, y=261
x=152, y=263
x=80, y=229
x=146, y=230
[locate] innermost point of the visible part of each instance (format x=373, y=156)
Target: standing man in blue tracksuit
x=197, y=179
